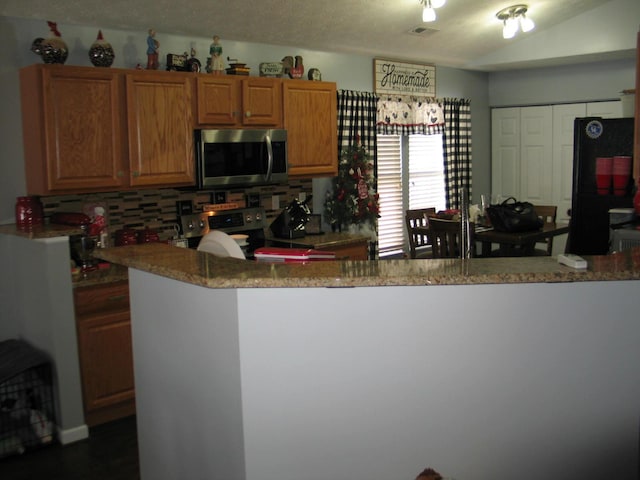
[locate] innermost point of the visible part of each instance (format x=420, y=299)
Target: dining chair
x=446, y=238
x=548, y=214
x=417, y=224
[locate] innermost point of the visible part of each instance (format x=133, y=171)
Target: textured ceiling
x=465, y=30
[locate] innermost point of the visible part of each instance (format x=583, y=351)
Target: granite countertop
x=107, y=274
x=200, y=268
x=41, y=231
x=110, y=274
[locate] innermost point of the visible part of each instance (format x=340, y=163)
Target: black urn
x=101, y=52
x=54, y=49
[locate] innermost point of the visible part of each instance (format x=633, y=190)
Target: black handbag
x=514, y=216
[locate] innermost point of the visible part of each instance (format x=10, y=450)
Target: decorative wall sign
x=393, y=77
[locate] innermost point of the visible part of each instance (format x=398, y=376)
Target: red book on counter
x=277, y=254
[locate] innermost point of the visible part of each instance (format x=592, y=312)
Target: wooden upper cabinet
x=72, y=129
x=102, y=129
x=228, y=101
x=89, y=129
x=160, y=126
x=217, y=100
x=310, y=118
x=262, y=102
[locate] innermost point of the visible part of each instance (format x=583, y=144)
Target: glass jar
x=28, y=212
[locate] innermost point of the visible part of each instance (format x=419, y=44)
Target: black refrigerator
x=589, y=224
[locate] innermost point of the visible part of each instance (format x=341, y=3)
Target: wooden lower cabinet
x=103, y=323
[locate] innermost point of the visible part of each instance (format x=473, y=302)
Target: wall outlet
x=275, y=202
x=253, y=200
x=219, y=197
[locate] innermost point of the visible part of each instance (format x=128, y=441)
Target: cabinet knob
x=247, y=113
x=136, y=174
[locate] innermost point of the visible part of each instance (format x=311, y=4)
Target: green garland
x=353, y=200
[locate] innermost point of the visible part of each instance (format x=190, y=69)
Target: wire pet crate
x=26, y=398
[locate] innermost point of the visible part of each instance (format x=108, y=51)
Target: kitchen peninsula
x=485, y=368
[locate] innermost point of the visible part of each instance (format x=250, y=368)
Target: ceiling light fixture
x=428, y=11
x=514, y=18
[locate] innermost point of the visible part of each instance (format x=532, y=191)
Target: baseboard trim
x=71, y=435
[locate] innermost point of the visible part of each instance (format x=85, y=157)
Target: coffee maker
x=292, y=220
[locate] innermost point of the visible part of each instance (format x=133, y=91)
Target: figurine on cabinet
x=101, y=52
x=53, y=49
x=293, y=70
x=315, y=75
x=217, y=62
x=152, y=50
x=183, y=63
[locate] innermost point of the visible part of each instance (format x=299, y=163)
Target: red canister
x=148, y=236
x=28, y=212
x=125, y=236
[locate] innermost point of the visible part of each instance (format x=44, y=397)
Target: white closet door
x=536, y=155
x=612, y=109
x=505, y=152
x=563, y=120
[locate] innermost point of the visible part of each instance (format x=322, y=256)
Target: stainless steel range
x=248, y=221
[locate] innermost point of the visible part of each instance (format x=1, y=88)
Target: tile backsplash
x=157, y=210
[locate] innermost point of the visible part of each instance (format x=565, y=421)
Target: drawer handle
x=116, y=298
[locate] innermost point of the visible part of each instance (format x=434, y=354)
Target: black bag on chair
x=514, y=216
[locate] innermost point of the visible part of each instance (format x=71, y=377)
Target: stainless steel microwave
x=226, y=158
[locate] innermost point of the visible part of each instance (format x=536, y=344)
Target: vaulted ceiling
x=466, y=34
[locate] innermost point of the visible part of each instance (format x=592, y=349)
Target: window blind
x=390, y=237
x=415, y=161
x=426, y=172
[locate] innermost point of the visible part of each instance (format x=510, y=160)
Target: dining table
x=513, y=244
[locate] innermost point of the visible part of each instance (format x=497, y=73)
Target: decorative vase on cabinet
x=101, y=52
x=54, y=49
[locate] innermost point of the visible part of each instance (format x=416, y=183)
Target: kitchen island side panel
x=37, y=304
x=484, y=382
x=477, y=381
x=187, y=380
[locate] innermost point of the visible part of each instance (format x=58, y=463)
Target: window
x=410, y=175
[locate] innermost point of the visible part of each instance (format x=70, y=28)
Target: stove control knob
x=258, y=217
x=190, y=225
x=201, y=224
x=248, y=218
